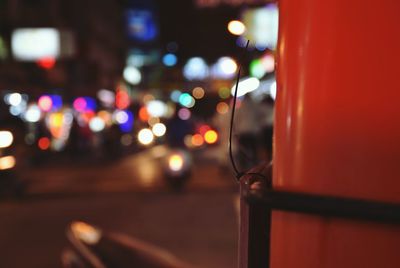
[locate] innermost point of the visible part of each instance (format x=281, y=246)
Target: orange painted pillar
x=337, y=128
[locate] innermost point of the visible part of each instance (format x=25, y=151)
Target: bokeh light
x=184, y=113
x=153, y=120
x=6, y=138
x=56, y=119
x=262, y=26
x=198, y=92
x=159, y=129
x=211, y=136
x=79, y=104
x=236, y=27
x=143, y=114
x=257, y=69
x=195, y=69
x=147, y=98
x=46, y=62
x=44, y=143
x=86, y=233
x=272, y=90
x=84, y=118
x=245, y=86
x=268, y=62
x=97, y=124
x=122, y=99
x=175, y=162
x=260, y=67
x=121, y=116
x=224, y=92
x=32, y=114
x=106, y=97
x=175, y=95
x=127, y=121
x=188, y=141
x=224, y=68
x=56, y=102
x=170, y=60
x=156, y=108
x=197, y=140
x=186, y=100
x=16, y=110
x=45, y=103
x=145, y=136
x=30, y=138
x=222, y=108
x=91, y=104
x=106, y=116
x=126, y=139
x=7, y=162
x=14, y=99
x=55, y=123
x=203, y=129
x=132, y=75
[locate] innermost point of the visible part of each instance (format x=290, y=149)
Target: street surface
x=198, y=225
x=134, y=173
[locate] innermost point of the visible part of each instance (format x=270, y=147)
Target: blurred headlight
x=175, y=162
x=6, y=138
x=7, y=162
x=86, y=233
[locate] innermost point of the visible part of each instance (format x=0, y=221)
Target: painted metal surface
x=337, y=128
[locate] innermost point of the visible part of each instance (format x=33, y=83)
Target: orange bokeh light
x=143, y=114
x=222, y=108
x=197, y=140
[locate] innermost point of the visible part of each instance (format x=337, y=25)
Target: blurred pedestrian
x=247, y=127
x=266, y=119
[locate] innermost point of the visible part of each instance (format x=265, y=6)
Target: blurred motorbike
x=91, y=247
x=177, y=168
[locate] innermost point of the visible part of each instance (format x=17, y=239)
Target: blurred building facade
x=94, y=38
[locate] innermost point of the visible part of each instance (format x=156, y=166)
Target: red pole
x=337, y=128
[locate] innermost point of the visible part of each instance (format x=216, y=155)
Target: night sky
x=198, y=31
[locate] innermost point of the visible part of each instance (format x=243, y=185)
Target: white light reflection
x=245, y=86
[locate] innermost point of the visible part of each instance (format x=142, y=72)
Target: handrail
x=326, y=206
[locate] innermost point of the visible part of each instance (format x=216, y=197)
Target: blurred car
x=9, y=183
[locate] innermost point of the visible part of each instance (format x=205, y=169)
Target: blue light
x=127, y=126
x=141, y=25
x=57, y=102
x=169, y=59
x=90, y=104
x=241, y=41
x=175, y=95
x=195, y=69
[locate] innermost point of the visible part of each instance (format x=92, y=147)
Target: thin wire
x=237, y=172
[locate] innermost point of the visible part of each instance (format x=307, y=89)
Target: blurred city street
x=118, y=114
x=198, y=225
x=138, y=133
x=141, y=172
